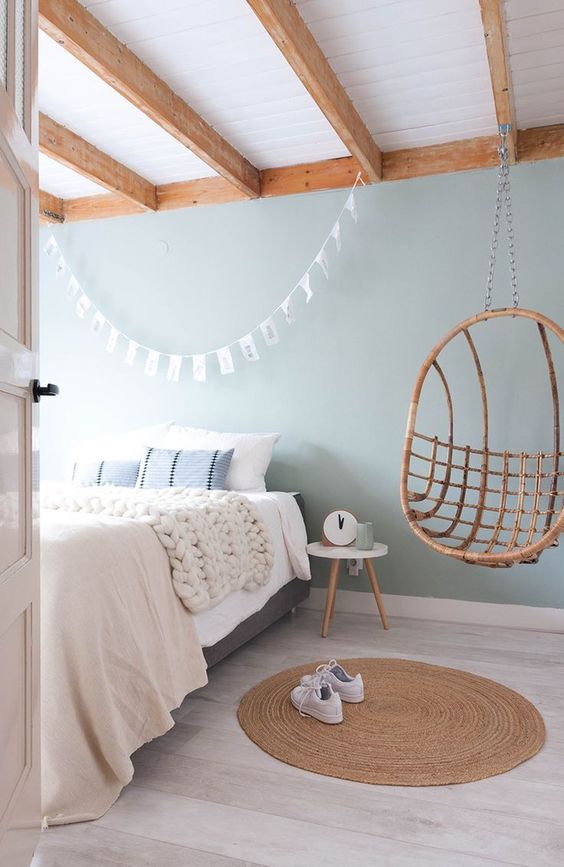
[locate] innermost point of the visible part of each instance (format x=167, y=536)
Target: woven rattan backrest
x=485, y=507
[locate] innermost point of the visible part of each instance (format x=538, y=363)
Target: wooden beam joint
x=76, y=153
x=287, y=29
x=477, y=153
x=51, y=208
x=493, y=21
x=83, y=36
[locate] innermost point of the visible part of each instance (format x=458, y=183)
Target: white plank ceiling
x=57, y=179
x=416, y=70
x=74, y=96
x=217, y=56
x=536, y=57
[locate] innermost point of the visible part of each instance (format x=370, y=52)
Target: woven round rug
x=419, y=725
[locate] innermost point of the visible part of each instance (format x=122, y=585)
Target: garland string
x=247, y=345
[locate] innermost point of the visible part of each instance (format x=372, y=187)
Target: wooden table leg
x=331, y=593
x=334, y=595
x=377, y=594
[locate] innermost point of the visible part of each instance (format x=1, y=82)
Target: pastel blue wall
x=338, y=385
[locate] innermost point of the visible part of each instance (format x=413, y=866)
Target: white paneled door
x=20, y=808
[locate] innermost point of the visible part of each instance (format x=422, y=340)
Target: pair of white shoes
x=320, y=695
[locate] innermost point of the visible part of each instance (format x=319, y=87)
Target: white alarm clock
x=339, y=528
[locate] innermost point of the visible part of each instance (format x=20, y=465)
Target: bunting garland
x=100, y=324
x=225, y=360
x=174, y=365
x=269, y=332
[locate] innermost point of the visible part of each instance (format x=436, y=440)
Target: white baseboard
x=451, y=610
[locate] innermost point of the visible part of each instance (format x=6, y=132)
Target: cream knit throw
x=215, y=540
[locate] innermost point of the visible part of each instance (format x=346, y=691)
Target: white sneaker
x=316, y=698
x=349, y=688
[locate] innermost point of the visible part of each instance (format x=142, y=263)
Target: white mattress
x=284, y=521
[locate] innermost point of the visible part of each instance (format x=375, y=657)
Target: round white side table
x=335, y=554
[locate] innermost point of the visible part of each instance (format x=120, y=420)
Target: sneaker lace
x=326, y=666
x=320, y=673
x=311, y=684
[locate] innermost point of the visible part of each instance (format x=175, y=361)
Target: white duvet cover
x=120, y=651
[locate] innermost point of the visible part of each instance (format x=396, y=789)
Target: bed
x=120, y=651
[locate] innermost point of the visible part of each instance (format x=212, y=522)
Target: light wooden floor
x=203, y=794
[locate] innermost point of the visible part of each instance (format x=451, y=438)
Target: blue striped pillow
x=164, y=468
x=123, y=473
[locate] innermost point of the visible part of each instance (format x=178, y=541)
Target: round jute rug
x=419, y=725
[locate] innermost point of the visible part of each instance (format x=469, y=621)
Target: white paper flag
x=112, y=339
x=199, y=368
x=82, y=305
x=248, y=348
x=152, y=363
x=174, y=365
x=60, y=267
x=336, y=235
x=304, y=283
x=225, y=360
x=51, y=246
x=98, y=323
x=323, y=263
x=350, y=205
x=287, y=309
x=269, y=332
x=132, y=348
x=72, y=288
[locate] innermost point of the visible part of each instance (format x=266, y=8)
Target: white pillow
x=252, y=455
x=120, y=447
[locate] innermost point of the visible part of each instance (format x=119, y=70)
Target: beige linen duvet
x=119, y=652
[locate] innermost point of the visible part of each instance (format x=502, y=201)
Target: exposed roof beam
x=457, y=156
x=99, y=208
x=73, y=151
x=308, y=177
x=541, y=143
x=493, y=20
x=534, y=144
x=203, y=191
x=77, y=30
x=286, y=27
x=51, y=208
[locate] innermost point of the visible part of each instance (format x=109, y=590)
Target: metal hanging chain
x=503, y=192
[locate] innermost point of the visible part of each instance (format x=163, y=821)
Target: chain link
x=503, y=194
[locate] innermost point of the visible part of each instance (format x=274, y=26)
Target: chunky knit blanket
x=216, y=541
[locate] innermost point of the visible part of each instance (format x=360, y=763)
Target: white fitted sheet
x=284, y=521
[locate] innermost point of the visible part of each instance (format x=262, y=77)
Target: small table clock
x=339, y=529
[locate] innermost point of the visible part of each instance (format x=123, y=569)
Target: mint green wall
x=337, y=386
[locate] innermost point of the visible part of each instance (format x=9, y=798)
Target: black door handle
x=40, y=391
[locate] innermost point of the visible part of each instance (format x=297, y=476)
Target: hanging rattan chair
x=484, y=507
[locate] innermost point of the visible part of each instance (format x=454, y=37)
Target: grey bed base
x=281, y=603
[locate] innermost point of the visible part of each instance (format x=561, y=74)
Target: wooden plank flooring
x=203, y=794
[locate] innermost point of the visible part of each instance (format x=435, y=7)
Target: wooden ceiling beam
x=99, y=208
x=477, y=153
x=68, y=148
x=287, y=29
x=202, y=191
x=51, y=208
x=80, y=33
x=309, y=177
x=541, y=143
x=439, y=159
x=493, y=21
x=326, y=175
